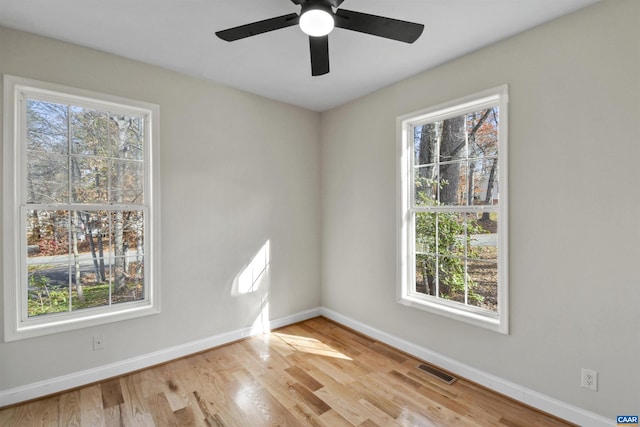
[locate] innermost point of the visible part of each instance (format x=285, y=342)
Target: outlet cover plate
x=589, y=379
x=98, y=342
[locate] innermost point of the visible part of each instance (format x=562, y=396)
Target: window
x=452, y=239
x=80, y=208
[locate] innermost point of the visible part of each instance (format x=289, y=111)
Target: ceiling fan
x=317, y=19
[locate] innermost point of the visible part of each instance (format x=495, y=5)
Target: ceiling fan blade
x=332, y=3
x=255, y=28
x=319, y=47
x=389, y=28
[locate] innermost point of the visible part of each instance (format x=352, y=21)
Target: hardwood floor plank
x=91, y=410
x=204, y=408
x=7, y=416
x=376, y=415
x=134, y=410
x=388, y=352
x=314, y=373
x=160, y=410
x=215, y=391
x=274, y=412
x=279, y=385
x=70, y=412
x=335, y=372
x=347, y=407
x=379, y=401
x=412, y=401
x=186, y=417
x=428, y=394
x=334, y=419
x=248, y=402
x=302, y=377
x=314, y=403
x=163, y=380
x=111, y=394
x=112, y=417
x=369, y=423
x=306, y=417
x=43, y=413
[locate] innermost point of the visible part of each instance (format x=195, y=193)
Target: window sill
x=469, y=315
x=86, y=318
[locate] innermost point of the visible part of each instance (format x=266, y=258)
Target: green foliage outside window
x=443, y=241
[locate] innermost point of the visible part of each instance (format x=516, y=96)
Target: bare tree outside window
x=88, y=251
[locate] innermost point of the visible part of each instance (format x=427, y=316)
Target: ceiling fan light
x=316, y=22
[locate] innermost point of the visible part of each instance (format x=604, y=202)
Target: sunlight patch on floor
x=310, y=345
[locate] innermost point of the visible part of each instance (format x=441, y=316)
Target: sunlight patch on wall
x=262, y=325
x=252, y=276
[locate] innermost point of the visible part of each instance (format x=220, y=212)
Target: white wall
x=574, y=208
x=237, y=171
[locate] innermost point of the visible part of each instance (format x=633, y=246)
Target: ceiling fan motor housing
x=330, y=3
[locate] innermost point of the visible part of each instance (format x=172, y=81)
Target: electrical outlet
x=98, y=342
x=589, y=379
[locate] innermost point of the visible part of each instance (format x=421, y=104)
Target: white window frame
x=17, y=323
x=406, y=293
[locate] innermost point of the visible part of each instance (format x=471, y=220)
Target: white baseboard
x=78, y=379
x=522, y=394
x=515, y=391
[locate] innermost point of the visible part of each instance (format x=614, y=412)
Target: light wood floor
x=314, y=373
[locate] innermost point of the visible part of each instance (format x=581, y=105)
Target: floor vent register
x=441, y=375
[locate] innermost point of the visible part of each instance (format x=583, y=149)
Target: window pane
x=452, y=234
x=47, y=235
x=425, y=143
x=451, y=278
x=96, y=239
x=127, y=181
x=127, y=233
x=453, y=184
x=453, y=143
x=425, y=186
x=47, y=127
x=93, y=291
x=485, y=181
x=425, y=232
x=484, y=236
x=128, y=279
x=48, y=285
x=426, y=274
x=127, y=137
x=47, y=178
x=99, y=253
x=483, y=278
x=90, y=259
x=89, y=179
x=89, y=132
x=482, y=128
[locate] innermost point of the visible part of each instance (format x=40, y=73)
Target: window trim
x=498, y=322
x=16, y=324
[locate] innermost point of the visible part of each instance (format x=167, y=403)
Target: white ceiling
x=179, y=35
